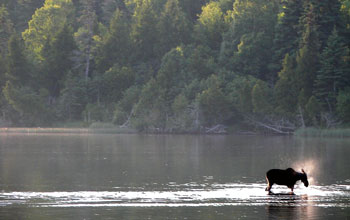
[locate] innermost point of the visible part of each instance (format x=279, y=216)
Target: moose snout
x=306, y=183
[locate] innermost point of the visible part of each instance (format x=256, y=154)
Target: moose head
x=303, y=178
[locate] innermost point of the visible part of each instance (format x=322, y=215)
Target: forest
x=175, y=66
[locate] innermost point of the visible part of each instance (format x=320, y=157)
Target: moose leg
x=292, y=188
x=269, y=185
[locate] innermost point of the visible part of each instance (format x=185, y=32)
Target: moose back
x=287, y=177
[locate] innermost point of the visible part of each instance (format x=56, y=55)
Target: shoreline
x=40, y=130
x=301, y=132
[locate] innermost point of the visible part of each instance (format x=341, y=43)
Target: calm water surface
x=169, y=177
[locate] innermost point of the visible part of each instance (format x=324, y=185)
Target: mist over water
x=169, y=177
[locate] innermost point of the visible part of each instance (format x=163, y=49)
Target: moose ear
x=302, y=170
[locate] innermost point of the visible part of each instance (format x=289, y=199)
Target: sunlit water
x=186, y=195
x=170, y=177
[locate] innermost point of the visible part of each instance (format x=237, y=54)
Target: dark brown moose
x=286, y=177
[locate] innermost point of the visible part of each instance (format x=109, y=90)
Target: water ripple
x=191, y=195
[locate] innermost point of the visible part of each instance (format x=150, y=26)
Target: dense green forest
x=176, y=65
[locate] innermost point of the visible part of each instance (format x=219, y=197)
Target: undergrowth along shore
x=108, y=128
x=73, y=130
x=69, y=130
x=319, y=132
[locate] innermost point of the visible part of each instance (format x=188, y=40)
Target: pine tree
x=327, y=17
x=211, y=26
x=286, y=89
x=6, y=29
x=84, y=36
x=143, y=31
x=174, y=27
x=286, y=38
x=334, y=73
x=58, y=62
x=307, y=59
x=17, y=70
x=116, y=47
x=251, y=38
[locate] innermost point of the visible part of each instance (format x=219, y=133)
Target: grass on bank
x=318, y=132
x=94, y=128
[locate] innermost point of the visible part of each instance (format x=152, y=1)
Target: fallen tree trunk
x=275, y=126
x=217, y=129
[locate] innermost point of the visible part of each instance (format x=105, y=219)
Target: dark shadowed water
x=169, y=177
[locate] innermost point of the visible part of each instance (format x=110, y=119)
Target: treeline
x=176, y=65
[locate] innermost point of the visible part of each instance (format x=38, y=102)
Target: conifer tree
x=211, y=26
x=143, y=31
x=286, y=38
x=116, y=46
x=334, y=72
x=286, y=89
x=307, y=59
x=58, y=60
x=17, y=70
x=6, y=29
x=327, y=16
x=174, y=27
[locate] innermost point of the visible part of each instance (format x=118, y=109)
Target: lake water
x=170, y=177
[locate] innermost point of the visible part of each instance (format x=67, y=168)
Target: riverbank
x=318, y=132
x=98, y=129
x=114, y=130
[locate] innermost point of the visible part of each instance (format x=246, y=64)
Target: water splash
x=179, y=195
x=311, y=167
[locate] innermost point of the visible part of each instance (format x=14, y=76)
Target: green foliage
x=6, y=29
x=240, y=92
x=343, y=105
x=45, y=24
x=180, y=104
x=57, y=54
x=247, y=46
x=213, y=104
x=286, y=88
x=334, y=70
x=319, y=132
x=253, y=55
x=73, y=98
x=94, y=113
x=200, y=62
x=211, y=26
x=312, y=109
x=17, y=70
x=20, y=12
x=253, y=16
x=326, y=15
x=147, y=109
x=307, y=59
x=174, y=27
x=262, y=98
x=345, y=6
x=115, y=47
x=114, y=82
x=184, y=115
x=28, y=103
x=175, y=65
x=171, y=78
x=143, y=33
x=286, y=38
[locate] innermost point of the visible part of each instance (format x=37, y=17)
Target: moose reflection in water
x=286, y=177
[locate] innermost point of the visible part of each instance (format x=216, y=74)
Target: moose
x=286, y=177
